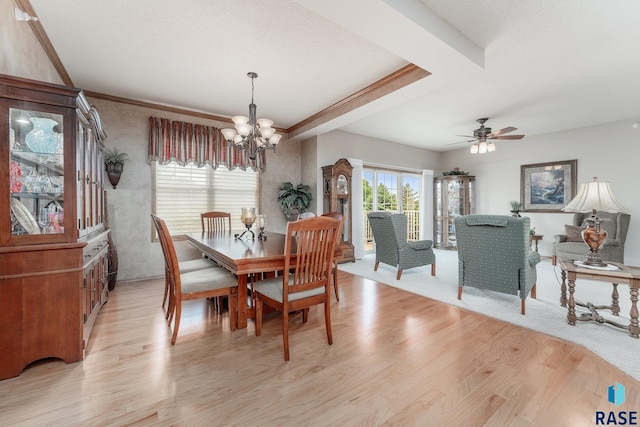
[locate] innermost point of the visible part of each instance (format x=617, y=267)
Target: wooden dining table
x=242, y=257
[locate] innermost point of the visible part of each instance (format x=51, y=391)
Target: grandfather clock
x=336, y=185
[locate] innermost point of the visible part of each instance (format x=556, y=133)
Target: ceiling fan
x=483, y=135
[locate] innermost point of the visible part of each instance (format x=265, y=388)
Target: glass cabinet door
x=36, y=172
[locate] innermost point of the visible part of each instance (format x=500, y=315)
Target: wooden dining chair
x=334, y=268
x=215, y=221
x=199, y=284
x=185, y=266
x=309, y=249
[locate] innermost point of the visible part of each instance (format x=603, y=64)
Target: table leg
x=634, y=329
x=242, y=301
x=563, y=289
x=571, y=315
x=615, y=307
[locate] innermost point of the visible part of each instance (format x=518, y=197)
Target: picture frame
x=548, y=187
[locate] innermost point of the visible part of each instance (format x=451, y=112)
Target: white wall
x=609, y=151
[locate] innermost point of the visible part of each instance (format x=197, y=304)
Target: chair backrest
x=493, y=242
x=309, y=251
x=170, y=256
x=307, y=214
x=616, y=224
x=215, y=221
x=389, y=228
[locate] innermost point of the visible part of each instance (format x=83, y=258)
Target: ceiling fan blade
x=466, y=136
x=502, y=131
x=507, y=137
x=461, y=142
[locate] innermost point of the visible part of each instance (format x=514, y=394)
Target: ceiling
x=541, y=66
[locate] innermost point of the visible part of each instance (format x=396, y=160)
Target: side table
x=535, y=238
x=622, y=274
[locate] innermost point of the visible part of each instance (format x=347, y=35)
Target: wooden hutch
x=336, y=185
x=53, y=244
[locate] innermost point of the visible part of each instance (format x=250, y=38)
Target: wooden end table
x=535, y=238
x=623, y=274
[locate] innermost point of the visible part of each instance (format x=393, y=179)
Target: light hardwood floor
x=397, y=359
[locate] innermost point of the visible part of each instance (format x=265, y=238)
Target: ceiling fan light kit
x=482, y=143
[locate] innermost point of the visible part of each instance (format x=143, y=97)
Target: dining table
x=243, y=257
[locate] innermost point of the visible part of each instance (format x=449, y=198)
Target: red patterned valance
x=184, y=143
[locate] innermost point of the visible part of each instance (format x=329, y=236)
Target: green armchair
x=493, y=254
x=392, y=248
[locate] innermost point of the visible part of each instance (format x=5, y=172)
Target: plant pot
x=113, y=172
x=515, y=214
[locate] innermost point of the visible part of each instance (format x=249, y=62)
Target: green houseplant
x=114, y=164
x=515, y=207
x=294, y=198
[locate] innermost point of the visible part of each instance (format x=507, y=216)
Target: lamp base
x=248, y=230
x=594, y=236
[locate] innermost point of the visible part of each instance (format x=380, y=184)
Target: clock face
x=342, y=184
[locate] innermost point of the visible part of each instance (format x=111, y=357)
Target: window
x=182, y=193
x=393, y=191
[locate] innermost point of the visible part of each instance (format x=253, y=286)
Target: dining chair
x=215, y=221
x=199, y=284
x=309, y=249
x=334, y=268
x=185, y=266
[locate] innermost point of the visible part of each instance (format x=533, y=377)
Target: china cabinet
x=336, y=180
x=50, y=231
x=454, y=195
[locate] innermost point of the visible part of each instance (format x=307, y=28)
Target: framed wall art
x=548, y=187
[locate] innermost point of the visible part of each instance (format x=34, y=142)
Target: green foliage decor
x=294, y=197
x=515, y=205
x=114, y=157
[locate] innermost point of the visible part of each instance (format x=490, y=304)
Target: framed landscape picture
x=548, y=187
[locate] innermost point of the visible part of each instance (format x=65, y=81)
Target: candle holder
x=248, y=217
x=262, y=222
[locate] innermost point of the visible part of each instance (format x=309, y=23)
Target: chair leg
x=533, y=291
x=375, y=267
x=399, y=274
x=335, y=281
x=433, y=269
x=553, y=260
x=522, y=306
x=327, y=321
x=258, y=317
x=166, y=291
x=285, y=335
x=459, y=292
x=176, y=324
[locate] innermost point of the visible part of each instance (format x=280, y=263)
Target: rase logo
x=615, y=395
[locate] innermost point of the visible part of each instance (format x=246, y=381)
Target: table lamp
x=594, y=196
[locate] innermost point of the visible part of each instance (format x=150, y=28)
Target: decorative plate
x=24, y=217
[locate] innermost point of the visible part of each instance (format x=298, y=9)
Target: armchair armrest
x=420, y=245
x=533, y=258
x=559, y=238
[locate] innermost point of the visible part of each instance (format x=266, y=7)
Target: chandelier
x=250, y=134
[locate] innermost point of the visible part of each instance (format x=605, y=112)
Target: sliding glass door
x=392, y=191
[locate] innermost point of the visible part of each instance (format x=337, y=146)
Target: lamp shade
x=595, y=195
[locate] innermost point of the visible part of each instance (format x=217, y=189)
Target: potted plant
x=114, y=164
x=294, y=198
x=515, y=208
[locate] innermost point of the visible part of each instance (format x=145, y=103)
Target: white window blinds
x=184, y=192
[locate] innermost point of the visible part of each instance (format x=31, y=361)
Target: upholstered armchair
x=493, y=254
x=570, y=245
x=392, y=248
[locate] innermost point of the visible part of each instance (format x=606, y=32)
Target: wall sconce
x=114, y=164
x=23, y=16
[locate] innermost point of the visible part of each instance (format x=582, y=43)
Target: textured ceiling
x=541, y=66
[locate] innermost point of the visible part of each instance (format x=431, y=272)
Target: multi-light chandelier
x=250, y=134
